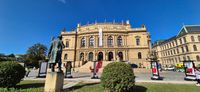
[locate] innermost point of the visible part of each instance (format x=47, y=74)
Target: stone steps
x=86, y=67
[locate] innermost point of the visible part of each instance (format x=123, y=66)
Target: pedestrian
x=197, y=73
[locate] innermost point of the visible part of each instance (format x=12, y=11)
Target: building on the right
x=184, y=46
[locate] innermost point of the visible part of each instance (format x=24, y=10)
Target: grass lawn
x=141, y=87
x=26, y=86
x=38, y=86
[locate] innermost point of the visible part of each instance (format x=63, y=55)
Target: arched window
x=120, y=54
x=110, y=41
x=137, y=41
x=90, y=56
x=67, y=44
x=65, y=57
x=195, y=47
x=192, y=38
x=139, y=55
x=81, y=56
x=119, y=41
x=198, y=58
x=91, y=41
x=83, y=42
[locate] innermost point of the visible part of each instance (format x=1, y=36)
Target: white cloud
x=62, y=1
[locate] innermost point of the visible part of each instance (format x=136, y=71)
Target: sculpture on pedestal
x=55, y=52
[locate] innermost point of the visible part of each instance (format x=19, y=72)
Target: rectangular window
x=184, y=39
x=67, y=44
x=180, y=41
x=182, y=49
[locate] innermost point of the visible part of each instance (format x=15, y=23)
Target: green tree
x=35, y=53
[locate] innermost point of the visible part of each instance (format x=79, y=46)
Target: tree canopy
x=35, y=53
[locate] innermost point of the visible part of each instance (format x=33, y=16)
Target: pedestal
x=54, y=82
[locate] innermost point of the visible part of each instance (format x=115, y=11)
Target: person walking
x=197, y=73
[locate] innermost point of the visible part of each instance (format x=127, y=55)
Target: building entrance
x=110, y=56
x=100, y=56
x=120, y=54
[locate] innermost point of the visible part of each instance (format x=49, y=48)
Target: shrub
x=118, y=77
x=11, y=73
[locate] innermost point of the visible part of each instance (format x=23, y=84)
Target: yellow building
x=107, y=42
x=184, y=46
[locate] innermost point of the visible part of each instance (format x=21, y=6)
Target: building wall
x=170, y=54
x=129, y=48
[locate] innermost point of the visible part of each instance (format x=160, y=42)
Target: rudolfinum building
x=108, y=42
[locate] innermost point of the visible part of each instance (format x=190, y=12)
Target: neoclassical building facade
x=183, y=46
x=107, y=42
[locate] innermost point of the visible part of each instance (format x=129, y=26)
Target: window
x=110, y=41
x=90, y=56
x=81, y=57
x=173, y=44
x=177, y=50
x=91, y=41
x=182, y=49
x=192, y=38
x=188, y=57
x=198, y=58
x=137, y=41
x=139, y=55
x=67, y=44
x=180, y=41
x=119, y=41
x=174, y=51
x=83, y=42
x=65, y=57
x=199, y=38
x=184, y=58
x=171, y=52
x=176, y=42
x=184, y=39
x=186, y=47
x=170, y=45
x=195, y=47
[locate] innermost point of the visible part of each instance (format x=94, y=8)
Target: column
x=105, y=40
x=114, y=41
x=86, y=41
x=96, y=41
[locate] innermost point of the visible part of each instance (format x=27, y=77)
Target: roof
x=192, y=29
x=186, y=29
x=189, y=29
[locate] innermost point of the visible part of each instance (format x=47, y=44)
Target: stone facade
x=119, y=42
x=184, y=46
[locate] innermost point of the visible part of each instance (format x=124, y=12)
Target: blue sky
x=26, y=22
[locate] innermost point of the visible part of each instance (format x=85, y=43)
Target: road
x=167, y=75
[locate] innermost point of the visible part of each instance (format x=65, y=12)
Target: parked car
x=169, y=68
x=134, y=66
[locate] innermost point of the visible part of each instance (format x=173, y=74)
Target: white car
x=169, y=68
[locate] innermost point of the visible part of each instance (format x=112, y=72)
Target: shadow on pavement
x=31, y=85
x=80, y=86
